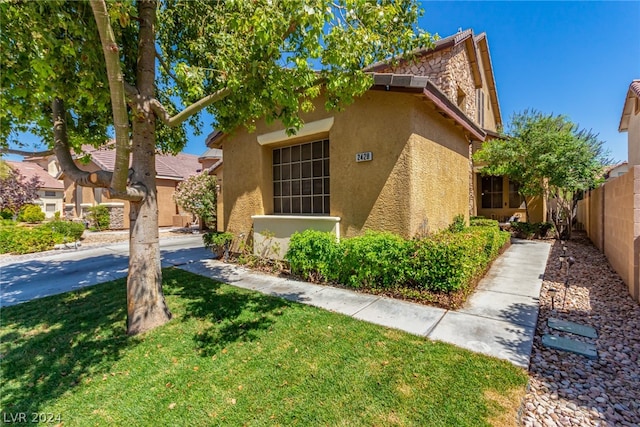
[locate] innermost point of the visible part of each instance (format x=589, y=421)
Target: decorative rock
x=568, y=389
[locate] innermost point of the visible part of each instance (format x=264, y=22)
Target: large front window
x=301, y=179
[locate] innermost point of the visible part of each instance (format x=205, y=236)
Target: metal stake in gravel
x=570, y=261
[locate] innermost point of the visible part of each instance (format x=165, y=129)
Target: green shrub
x=484, y=222
x=99, y=217
x=536, y=230
x=444, y=262
x=7, y=222
x=217, y=241
x=23, y=240
x=64, y=231
x=451, y=261
x=373, y=260
x=458, y=225
x=31, y=214
x=313, y=254
x=6, y=214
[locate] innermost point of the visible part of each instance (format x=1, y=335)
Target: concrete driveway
x=72, y=269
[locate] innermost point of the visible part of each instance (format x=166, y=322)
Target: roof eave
x=422, y=85
x=488, y=72
x=628, y=106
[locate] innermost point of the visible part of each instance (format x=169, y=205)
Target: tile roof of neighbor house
x=29, y=170
x=177, y=167
x=627, y=108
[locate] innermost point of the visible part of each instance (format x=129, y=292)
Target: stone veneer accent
x=448, y=69
x=116, y=215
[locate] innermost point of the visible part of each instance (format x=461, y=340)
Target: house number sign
x=364, y=157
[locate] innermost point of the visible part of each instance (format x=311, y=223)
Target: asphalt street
x=72, y=269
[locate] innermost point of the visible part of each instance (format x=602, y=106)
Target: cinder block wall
x=611, y=216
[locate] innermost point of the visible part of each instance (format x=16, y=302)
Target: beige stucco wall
x=633, y=137
x=272, y=232
x=419, y=170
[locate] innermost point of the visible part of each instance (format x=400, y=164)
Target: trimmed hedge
x=445, y=262
x=64, y=231
x=484, y=222
x=24, y=240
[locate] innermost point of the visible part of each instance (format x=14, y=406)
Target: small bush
x=458, y=225
x=99, y=217
x=536, y=230
x=217, y=241
x=313, y=254
x=6, y=214
x=373, y=260
x=64, y=231
x=31, y=214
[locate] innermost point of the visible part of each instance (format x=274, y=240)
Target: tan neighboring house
x=170, y=171
x=51, y=193
x=397, y=159
x=630, y=122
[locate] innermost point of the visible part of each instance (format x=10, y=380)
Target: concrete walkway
x=499, y=319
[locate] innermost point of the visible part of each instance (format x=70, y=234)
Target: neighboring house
x=630, y=122
x=170, y=171
x=211, y=162
x=614, y=171
x=51, y=193
x=397, y=159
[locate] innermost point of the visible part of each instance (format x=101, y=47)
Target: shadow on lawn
x=237, y=315
x=51, y=345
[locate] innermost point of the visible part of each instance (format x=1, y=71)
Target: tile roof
x=29, y=170
x=629, y=105
x=178, y=167
x=635, y=87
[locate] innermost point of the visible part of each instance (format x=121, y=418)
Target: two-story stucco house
x=397, y=159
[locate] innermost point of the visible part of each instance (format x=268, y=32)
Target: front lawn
x=234, y=357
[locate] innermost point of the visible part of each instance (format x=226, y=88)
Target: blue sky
x=571, y=58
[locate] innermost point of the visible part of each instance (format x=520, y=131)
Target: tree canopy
x=548, y=156
x=80, y=72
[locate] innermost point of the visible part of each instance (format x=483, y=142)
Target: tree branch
x=117, y=90
x=167, y=69
x=98, y=179
x=26, y=153
x=192, y=109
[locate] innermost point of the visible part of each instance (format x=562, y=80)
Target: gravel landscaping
x=567, y=389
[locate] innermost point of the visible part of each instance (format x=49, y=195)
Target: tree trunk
x=146, y=307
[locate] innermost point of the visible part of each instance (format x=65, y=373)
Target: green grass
x=234, y=357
